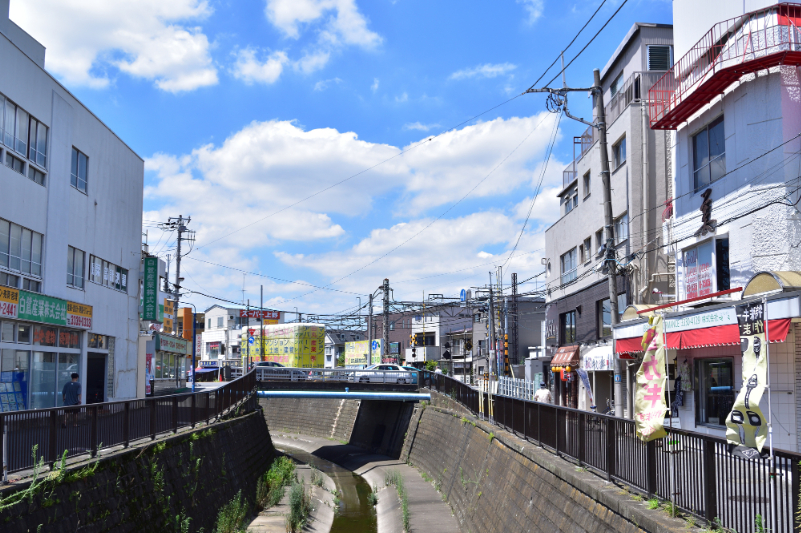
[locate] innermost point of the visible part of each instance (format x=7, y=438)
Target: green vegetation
x=759, y=525
x=270, y=487
x=317, y=477
x=231, y=517
x=653, y=503
x=671, y=509
x=431, y=366
x=299, y=507
x=636, y=497
x=372, y=498
x=491, y=436
x=393, y=477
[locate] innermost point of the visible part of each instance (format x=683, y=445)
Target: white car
x=383, y=373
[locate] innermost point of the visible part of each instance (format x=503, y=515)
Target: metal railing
x=341, y=375
x=695, y=470
x=739, y=45
x=88, y=428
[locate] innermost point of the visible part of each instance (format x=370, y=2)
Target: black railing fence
x=88, y=428
x=703, y=478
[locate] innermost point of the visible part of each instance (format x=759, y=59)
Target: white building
x=335, y=340
x=431, y=329
x=70, y=226
x=221, y=338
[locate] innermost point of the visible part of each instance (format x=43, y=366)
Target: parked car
x=269, y=363
x=280, y=373
x=383, y=374
x=413, y=371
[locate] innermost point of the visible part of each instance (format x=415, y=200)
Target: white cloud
x=484, y=71
x=346, y=25
x=323, y=84
x=419, y=126
x=374, y=86
x=533, y=8
x=312, y=62
x=402, y=98
x=250, y=70
x=155, y=40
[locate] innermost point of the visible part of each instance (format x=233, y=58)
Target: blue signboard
x=463, y=295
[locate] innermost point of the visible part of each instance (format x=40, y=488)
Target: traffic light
x=411, y=341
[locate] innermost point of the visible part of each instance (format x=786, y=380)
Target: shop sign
x=150, y=290
x=40, y=308
x=9, y=302
x=649, y=400
x=79, y=315
x=257, y=314
x=172, y=344
x=597, y=361
x=699, y=271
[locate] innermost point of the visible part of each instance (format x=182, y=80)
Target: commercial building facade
x=70, y=226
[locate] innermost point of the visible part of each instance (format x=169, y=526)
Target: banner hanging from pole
x=746, y=427
x=649, y=400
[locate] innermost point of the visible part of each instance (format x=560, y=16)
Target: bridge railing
x=86, y=429
x=696, y=471
x=341, y=375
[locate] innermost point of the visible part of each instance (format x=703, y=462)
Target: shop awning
x=566, y=356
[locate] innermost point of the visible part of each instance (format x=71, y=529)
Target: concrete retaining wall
x=144, y=489
x=329, y=419
x=498, y=483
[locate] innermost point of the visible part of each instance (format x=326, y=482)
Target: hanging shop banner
x=746, y=427
x=9, y=302
x=649, y=401
x=150, y=290
x=585, y=379
x=40, y=308
x=79, y=315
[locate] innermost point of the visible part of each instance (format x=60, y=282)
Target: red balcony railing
x=743, y=45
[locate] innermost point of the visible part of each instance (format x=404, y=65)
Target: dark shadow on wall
x=381, y=426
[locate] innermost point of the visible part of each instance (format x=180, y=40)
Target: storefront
x=564, y=385
x=596, y=386
x=42, y=341
x=705, y=359
x=166, y=360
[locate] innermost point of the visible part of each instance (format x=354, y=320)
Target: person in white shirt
x=543, y=395
x=438, y=371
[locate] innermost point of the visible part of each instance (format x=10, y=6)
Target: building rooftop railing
x=730, y=49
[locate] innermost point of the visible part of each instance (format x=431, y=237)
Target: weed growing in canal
x=232, y=515
x=270, y=487
x=316, y=477
x=300, y=505
x=372, y=498
x=491, y=436
x=426, y=477
x=653, y=503
x=759, y=525
x=671, y=509
x=636, y=497
x=393, y=477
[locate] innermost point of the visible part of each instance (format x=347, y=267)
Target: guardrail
x=344, y=375
x=88, y=428
x=695, y=470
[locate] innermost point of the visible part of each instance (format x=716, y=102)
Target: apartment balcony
x=731, y=49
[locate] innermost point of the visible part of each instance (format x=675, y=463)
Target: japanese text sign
x=9, y=302
x=150, y=290
x=40, y=308
x=255, y=313
x=79, y=315
x=649, y=400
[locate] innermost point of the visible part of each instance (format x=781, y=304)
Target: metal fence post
x=153, y=419
x=556, y=429
x=51, y=446
x=796, y=489
x=525, y=419
x=192, y=414
x=3, y=427
x=650, y=468
x=611, y=443
x=126, y=425
x=208, y=409
x=539, y=424
x=582, y=437
x=710, y=480
x=94, y=431
x=175, y=414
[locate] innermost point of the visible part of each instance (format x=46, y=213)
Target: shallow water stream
x=355, y=514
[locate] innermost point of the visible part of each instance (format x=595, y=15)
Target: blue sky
x=241, y=109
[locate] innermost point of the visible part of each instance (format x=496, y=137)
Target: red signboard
x=255, y=313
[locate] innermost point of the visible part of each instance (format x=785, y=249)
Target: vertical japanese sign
x=649, y=401
x=746, y=426
x=9, y=302
x=150, y=303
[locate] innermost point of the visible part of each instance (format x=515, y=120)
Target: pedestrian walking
x=543, y=395
x=437, y=370
x=71, y=395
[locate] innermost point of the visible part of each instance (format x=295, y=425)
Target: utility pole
x=369, y=326
x=261, y=319
x=558, y=98
x=513, y=338
x=493, y=362
x=385, y=336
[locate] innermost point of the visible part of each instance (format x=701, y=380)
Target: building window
x=9, y=280
x=709, y=154
x=36, y=176
x=15, y=163
x=37, y=151
x=78, y=174
x=599, y=241
x=75, y=267
x=586, y=181
x=567, y=327
x=604, y=314
x=570, y=200
x=621, y=229
x=723, y=274
x=715, y=395
x=616, y=85
x=31, y=285
x=660, y=57
x=107, y=274
x=568, y=266
x=391, y=326
x=219, y=322
x=209, y=326
x=20, y=249
x=587, y=250
x=619, y=153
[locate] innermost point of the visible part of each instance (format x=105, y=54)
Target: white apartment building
x=430, y=330
x=221, y=338
x=733, y=98
x=70, y=226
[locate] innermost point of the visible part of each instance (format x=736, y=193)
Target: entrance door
x=95, y=378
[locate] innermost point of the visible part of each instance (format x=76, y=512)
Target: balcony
x=752, y=42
